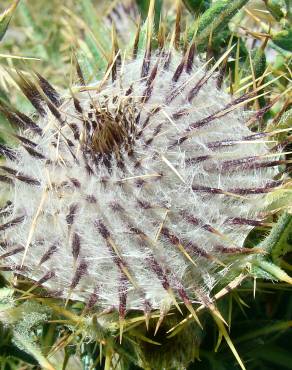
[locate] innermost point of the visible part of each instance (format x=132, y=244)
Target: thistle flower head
x=135, y=192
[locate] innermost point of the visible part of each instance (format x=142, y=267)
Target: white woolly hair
x=135, y=192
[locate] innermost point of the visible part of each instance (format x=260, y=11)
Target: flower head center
x=114, y=128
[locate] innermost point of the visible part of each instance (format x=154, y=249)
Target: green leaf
x=275, y=355
x=283, y=39
x=260, y=273
x=276, y=272
x=289, y=10
x=214, y=19
x=89, y=14
x=284, y=243
x=5, y=18
x=143, y=6
x=37, y=36
x=286, y=119
x=279, y=240
x=258, y=58
x=255, y=64
x=276, y=244
x=49, y=335
x=263, y=331
x=281, y=198
x=197, y=6
x=276, y=8
x=15, y=352
x=285, y=122
x=259, y=63
x=24, y=342
x=6, y=300
x=28, y=21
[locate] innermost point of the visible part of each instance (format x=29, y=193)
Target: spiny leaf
x=275, y=355
x=286, y=119
x=279, y=240
x=214, y=19
x=197, y=6
x=6, y=300
x=143, y=6
x=28, y=21
x=283, y=39
x=276, y=8
x=38, y=34
x=88, y=13
x=11, y=351
x=276, y=245
x=258, y=62
x=5, y=18
x=276, y=272
x=24, y=342
x=266, y=330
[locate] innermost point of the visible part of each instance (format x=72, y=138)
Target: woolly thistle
x=135, y=192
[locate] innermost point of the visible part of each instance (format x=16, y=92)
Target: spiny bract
x=133, y=193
